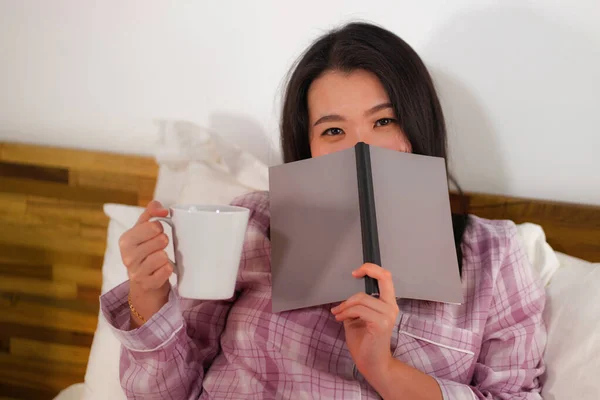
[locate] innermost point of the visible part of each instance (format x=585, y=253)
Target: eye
x=384, y=121
x=332, y=132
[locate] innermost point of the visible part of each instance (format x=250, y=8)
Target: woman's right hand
x=143, y=253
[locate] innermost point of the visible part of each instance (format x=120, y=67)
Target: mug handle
x=168, y=221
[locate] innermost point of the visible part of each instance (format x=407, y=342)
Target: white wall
x=520, y=80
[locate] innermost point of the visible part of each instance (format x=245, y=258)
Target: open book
x=331, y=214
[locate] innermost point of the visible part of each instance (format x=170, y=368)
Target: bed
x=54, y=249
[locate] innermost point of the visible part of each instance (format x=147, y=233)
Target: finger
x=153, y=209
x=158, y=278
x=153, y=262
x=360, y=312
x=365, y=300
x=384, y=278
x=136, y=255
x=141, y=233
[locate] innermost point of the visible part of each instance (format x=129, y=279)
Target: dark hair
x=403, y=75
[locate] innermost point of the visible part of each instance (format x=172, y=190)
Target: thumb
x=153, y=209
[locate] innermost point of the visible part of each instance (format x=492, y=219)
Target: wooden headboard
x=52, y=240
x=570, y=228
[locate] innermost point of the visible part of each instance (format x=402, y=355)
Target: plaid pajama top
x=490, y=347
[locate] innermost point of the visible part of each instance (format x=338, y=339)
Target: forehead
x=337, y=92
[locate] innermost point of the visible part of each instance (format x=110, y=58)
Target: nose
x=363, y=137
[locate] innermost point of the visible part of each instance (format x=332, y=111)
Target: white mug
x=208, y=242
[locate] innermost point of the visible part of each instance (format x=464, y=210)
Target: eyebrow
x=337, y=117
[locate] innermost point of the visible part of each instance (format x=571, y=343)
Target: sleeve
x=167, y=356
x=510, y=362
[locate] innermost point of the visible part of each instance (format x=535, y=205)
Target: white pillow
x=169, y=182
x=73, y=392
x=199, y=166
x=205, y=184
x=540, y=254
x=572, y=318
x=102, y=374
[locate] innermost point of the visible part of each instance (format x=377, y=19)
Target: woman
x=358, y=83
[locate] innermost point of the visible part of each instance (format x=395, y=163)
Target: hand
x=142, y=251
x=369, y=321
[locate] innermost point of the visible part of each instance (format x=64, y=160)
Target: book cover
x=319, y=233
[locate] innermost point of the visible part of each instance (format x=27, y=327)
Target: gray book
x=330, y=214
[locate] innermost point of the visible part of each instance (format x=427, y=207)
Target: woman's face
x=347, y=108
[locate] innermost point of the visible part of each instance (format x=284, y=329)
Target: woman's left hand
x=369, y=321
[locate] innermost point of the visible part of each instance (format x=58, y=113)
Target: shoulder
x=489, y=238
x=493, y=253
x=494, y=250
x=260, y=212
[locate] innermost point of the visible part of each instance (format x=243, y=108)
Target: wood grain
x=41, y=256
x=26, y=270
x=8, y=331
x=34, y=172
x=60, y=290
x=573, y=229
x=143, y=186
x=88, y=295
x=18, y=392
x=64, y=353
x=91, y=308
x=73, y=193
x=47, y=316
x=44, y=377
x=79, y=160
x=62, y=209
x=13, y=203
x=49, y=238
x=77, y=275
x=52, y=240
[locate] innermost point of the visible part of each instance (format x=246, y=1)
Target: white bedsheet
x=73, y=392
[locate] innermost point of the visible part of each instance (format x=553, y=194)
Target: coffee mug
x=208, y=242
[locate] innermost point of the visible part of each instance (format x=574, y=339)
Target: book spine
x=368, y=215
